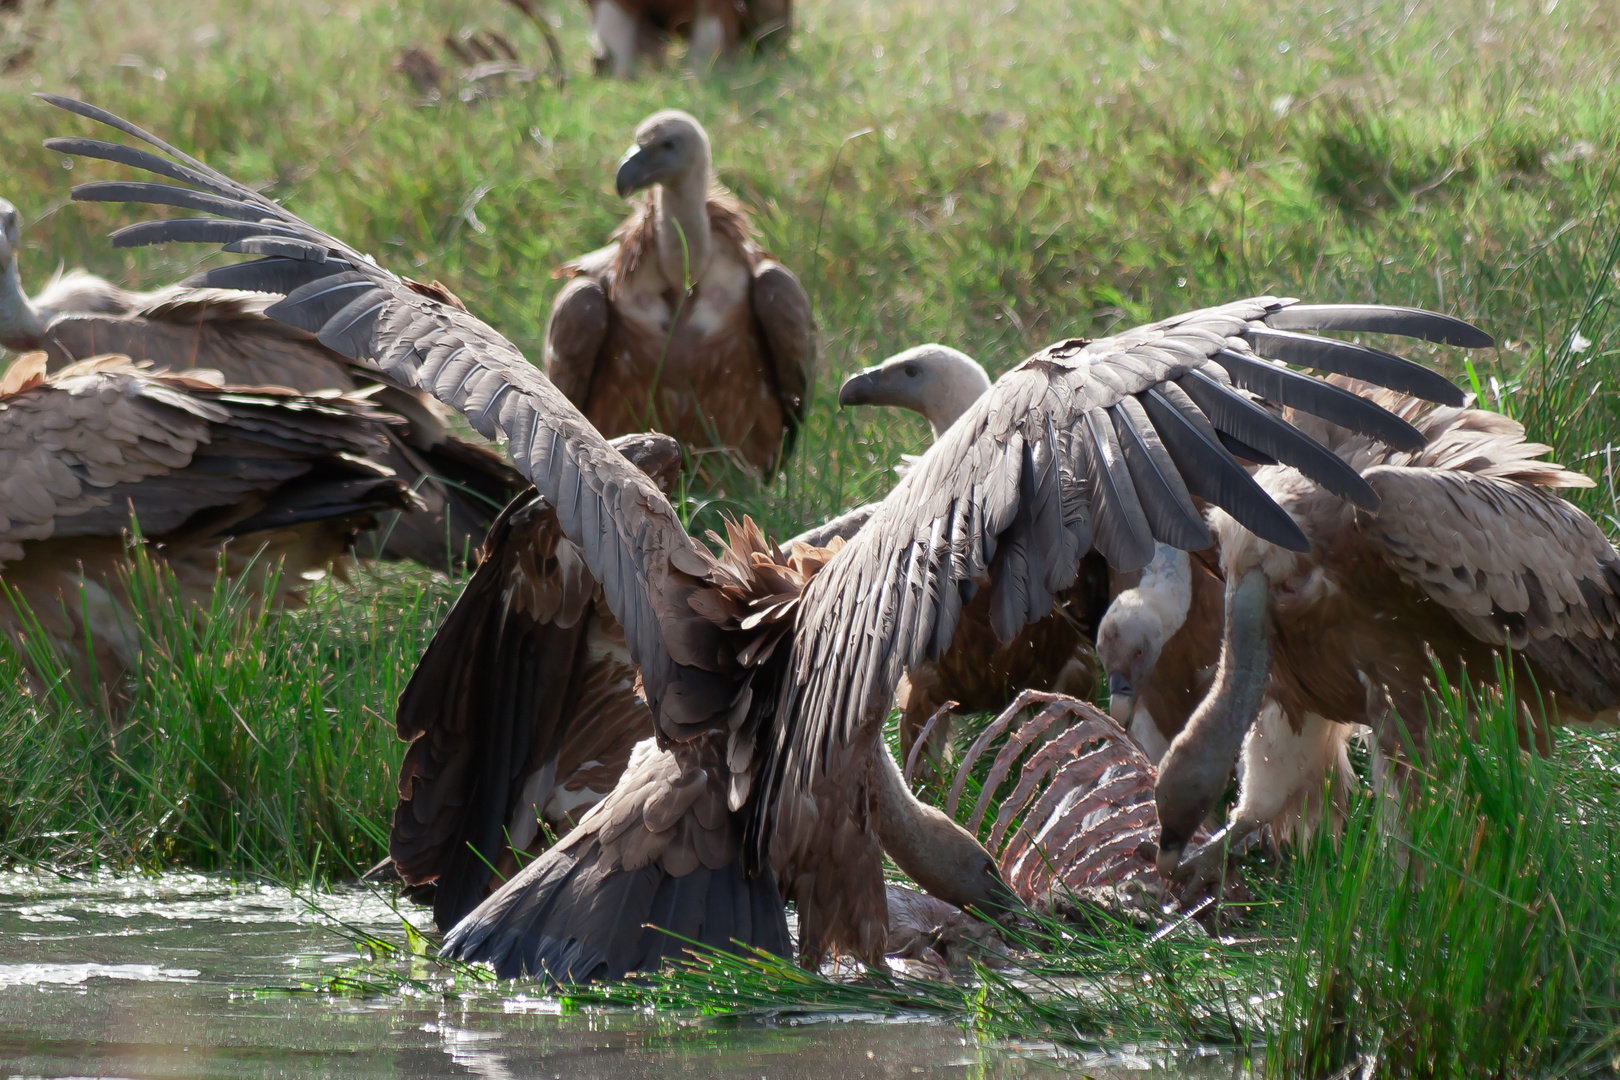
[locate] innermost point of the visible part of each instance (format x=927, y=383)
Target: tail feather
x=567, y=918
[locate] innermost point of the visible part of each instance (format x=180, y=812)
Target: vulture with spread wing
x=682, y=323
x=1464, y=555
x=768, y=686
x=461, y=484
x=267, y=476
x=624, y=33
x=980, y=672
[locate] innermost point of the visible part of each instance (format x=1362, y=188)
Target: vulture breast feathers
x=765, y=724
x=280, y=476
x=683, y=324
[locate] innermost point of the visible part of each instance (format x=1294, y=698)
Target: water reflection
x=155, y=977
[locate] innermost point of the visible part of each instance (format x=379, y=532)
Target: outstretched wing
x=523, y=708
x=1100, y=444
x=632, y=540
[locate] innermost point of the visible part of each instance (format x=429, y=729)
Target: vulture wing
x=1468, y=520
x=1099, y=444
x=632, y=541
x=523, y=707
x=783, y=310
x=223, y=330
x=82, y=449
x=574, y=335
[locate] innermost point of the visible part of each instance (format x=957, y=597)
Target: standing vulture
x=682, y=323
x=980, y=672
x=626, y=32
x=1464, y=555
x=461, y=484
x=267, y=476
x=768, y=702
x=1159, y=642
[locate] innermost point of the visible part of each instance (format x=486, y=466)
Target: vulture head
x=671, y=150
x=934, y=380
x=1138, y=623
x=20, y=326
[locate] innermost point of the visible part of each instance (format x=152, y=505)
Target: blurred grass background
x=993, y=175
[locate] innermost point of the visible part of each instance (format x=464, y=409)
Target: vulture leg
x=1194, y=771
x=1285, y=773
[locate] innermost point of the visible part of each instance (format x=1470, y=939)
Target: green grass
x=254, y=741
x=992, y=176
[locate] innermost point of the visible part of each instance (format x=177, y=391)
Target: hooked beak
x=635, y=172
x=1121, y=697
x=860, y=388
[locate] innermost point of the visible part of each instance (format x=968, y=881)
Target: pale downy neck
x=20, y=326
x=935, y=851
x=960, y=394
x=1193, y=774
x=682, y=207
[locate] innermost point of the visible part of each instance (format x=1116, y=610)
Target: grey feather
x=1332, y=403
x=1382, y=319
x=1232, y=413
x=1357, y=361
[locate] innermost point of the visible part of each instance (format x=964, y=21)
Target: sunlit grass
x=993, y=176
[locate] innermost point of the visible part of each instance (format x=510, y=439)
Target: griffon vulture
x=626, y=32
x=682, y=323
x=461, y=485
x=1465, y=554
x=268, y=476
x=524, y=712
x=1159, y=642
x=767, y=701
x=980, y=672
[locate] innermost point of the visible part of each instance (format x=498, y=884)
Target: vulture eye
x=669, y=144
x=910, y=370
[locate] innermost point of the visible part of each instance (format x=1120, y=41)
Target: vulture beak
x=636, y=171
x=1121, y=697
x=862, y=388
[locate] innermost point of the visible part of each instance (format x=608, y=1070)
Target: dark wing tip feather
x=1332, y=403
x=1381, y=319
x=1357, y=361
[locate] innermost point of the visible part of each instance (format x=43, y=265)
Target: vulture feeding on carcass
x=274, y=479
x=523, y=712
x=461, y=484
x=1462, y=555
x=626, y=33
x=1159, y=642
x=768, y=697
x=1160, y=645
x=682, y=323
x=980, y=672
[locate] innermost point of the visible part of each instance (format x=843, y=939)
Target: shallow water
x=163, y=977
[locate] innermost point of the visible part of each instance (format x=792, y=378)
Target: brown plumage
x=627, y=33
x=735, y=370
x=1100, y=444
x=979, y=672
x=461, y=484
x=268, y=477
x=523, y=711
x=1467, y=554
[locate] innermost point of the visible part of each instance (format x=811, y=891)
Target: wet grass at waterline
x=253, y=741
